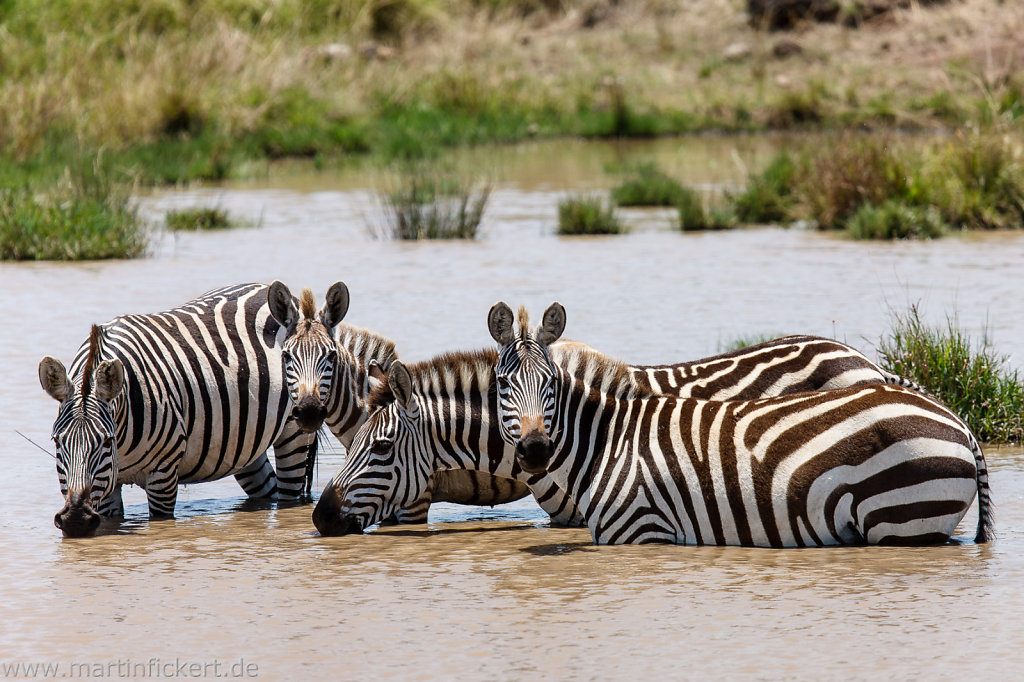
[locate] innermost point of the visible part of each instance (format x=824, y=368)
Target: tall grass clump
x=87, y=216
x=587, y=214
x=197, y=219
x=747, y=340
x=971, y=379
x=768, y=196
x=647, y=185
x=429, y=203
x=693, y=216
x=895, y=219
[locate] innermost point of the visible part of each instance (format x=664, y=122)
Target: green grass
x=970, y=378
x=895, y=220
x=746, y=341
x=199, y=218
x=647, y=185
x=86, y=216
x=768, y=196
x=428, y=203
x=580, y=214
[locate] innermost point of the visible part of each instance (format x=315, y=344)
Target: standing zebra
x=873, y=464
x=191, y=394
x=329, y=371
x=442, y=415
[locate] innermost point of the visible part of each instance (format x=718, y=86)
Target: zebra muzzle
x=534, y=451
x=309, y=414
x=329, y=519
x=77, y=519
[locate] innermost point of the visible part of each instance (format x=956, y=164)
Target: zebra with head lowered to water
x=869, y=464
x=192, y=394
x=442, y=415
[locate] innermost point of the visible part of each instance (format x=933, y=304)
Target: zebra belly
x=476, y=487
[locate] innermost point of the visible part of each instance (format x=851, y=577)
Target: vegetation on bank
x=971, y=379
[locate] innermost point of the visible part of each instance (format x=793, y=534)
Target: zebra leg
x=258, y=478
x=112, y=506
x=162, y=493
x=555, y=502
x=291, y=450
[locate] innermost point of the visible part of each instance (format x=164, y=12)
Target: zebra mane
x=523, y=317
x=307, y=305
x=91, y=359
x=438, y=376
x=599, y=371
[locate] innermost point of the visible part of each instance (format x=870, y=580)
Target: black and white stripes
x=866, y=464
x=192, y=394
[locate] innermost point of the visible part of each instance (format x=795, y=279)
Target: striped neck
x=357, y=347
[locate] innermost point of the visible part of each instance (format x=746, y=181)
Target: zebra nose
x=309, y=413
x=533, y=452
x=77, y=519
x=328, y=518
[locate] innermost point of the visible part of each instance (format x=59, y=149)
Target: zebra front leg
x=162, y=493
x=112, y=506
x=555, y=502
x=258, y=479
x=292, y=450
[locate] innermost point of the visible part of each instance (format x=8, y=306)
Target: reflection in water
x=498, y=592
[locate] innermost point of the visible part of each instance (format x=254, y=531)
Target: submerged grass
x=970, y=378
x=647, y=185
x=198, y=218
x=582, y=214
x=426, y=202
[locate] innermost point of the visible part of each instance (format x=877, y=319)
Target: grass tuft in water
x=647, y=185
x=895, y=219
x=747, y=340
x=971, y=379
x=768, y=196
x=587, y=214
x=198, y=218
x=430, y=203
x=86, y=216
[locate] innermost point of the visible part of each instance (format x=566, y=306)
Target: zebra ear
x=553, y=324
x=109, y=379
x=282, y=305
x=375, y=374
x=54, y=379
x=400, y=383
x=337, y=305
x=499, y=323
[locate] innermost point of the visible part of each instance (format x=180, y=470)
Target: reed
x=198, y=219
x=587, y=214
x=426, y=202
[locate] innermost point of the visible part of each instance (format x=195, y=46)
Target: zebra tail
x=986, y=514
x=899, y=380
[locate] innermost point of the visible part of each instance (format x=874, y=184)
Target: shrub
x=972, y=381
x=428, y=203
x=767, y=197
x=198, y=219
x=587, y=214
x=895, y=220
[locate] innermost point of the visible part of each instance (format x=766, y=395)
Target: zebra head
x=84, y=435
x=526, y=382
x=309, y=351
x=387, y=466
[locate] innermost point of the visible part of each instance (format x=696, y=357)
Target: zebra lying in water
x=191, y=394
x=442, y=415
x=873, y=464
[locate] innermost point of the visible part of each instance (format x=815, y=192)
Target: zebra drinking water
x=442, y=415
x=192, y=394
x=873, y=464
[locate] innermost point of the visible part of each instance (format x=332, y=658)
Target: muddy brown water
x=236, y=587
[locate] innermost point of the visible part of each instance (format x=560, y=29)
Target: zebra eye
x=286, y=355
x=381, y=446
x=332, y=356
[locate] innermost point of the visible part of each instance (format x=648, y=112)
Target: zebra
x=441, y=415
x=195, y=393
x=330, y=369
x=876, y=464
